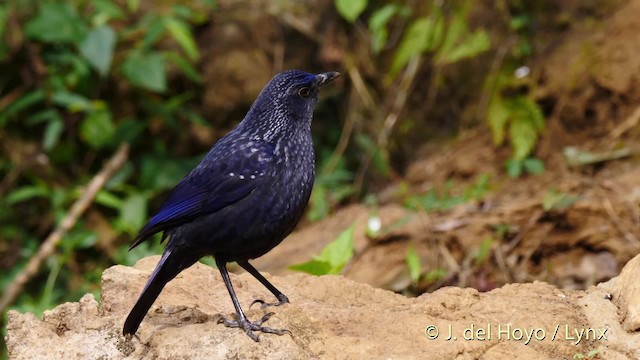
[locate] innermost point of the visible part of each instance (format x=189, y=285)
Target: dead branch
x=70, y=219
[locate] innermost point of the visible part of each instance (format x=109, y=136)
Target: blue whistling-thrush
x=243, y=198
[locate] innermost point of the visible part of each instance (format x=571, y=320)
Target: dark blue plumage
x=244, y=197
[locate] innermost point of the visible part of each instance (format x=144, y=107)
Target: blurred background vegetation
x=83, y=77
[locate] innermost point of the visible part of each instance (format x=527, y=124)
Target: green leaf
x=523, y=137
x=128, y=131
x=514, y=167
x=98, y=48
x=436, y=31
x=533, y=165
x=133, y=212
x=122, y=177
x=108, y=9
x=497, y=116
x=162, y=173
x=350, y=9
x=25, y=101
x=313, y=267
x=534, y=113
x=555, y=200
x=378, y=159
x=340, y=251
x=318, y=203
x=472, y=45
x=146, y=70
x=435, y=275
x=153, y=31
x=381, y=17
x=181, y=32
x=97, y=128
x=483, y=252
x=413, y=264
x=108, y=199
x=26, y=193
x=333, y=257
x=73, y=102
x=4, y=15
x=413, y=43
x=456, y=28
x=79, y=239
x=52, y=133
x=56, y=22
x=184, y=66
x=133, y=5
x=378, y=25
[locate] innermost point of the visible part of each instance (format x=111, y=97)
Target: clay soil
x=589, y=89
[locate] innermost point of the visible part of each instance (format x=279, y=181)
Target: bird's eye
x=304, y=92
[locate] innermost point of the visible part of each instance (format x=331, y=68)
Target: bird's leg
x=242, y=321
x=282, y=298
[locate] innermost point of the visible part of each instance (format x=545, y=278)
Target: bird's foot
x=249, y=327
x=282, y=299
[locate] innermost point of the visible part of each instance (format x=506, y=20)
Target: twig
x=630, y=123
x=496, y=64
x=347, y=129
x=516, y=240
x=406, y=83
x=502, y=263
x=615, y=219
x=70, y=219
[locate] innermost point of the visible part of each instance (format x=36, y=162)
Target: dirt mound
x=335, y=318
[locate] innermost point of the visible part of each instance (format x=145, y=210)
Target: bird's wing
x=224, y=181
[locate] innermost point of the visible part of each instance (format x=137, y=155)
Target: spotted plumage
x=244, y=197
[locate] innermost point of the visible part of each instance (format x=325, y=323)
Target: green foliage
x=333, y=257
x=329, y=189
x=555, y=200
x=523, y=120
x=412, y=260
x=350, y=9
x=57, y=23
x=97, y=48
x=146, y=70
x=97, y=128
x=481, y=255
x=435, y=275
x=378, y=24
x=530, y=165
x=512, y=113
x=447, y=38
x=420, y=37
x=97, y=75
x=378, y=159
x=435, y=200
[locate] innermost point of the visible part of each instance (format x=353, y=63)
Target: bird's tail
x=170, y=265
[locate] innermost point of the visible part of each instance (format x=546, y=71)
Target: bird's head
x=288, y=100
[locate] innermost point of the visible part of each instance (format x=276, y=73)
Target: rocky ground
x=335, y=318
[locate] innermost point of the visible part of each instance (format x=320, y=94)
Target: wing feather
x=214, y=184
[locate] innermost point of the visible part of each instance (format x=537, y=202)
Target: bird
x=244, y=197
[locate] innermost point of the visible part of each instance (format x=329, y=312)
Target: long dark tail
x=170, y=265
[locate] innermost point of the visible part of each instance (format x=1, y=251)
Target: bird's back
x=272, y=182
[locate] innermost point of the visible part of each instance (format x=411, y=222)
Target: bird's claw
x=263, y=304
x=249, y=327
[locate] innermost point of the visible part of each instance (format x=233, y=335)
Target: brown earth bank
x=332, y=317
